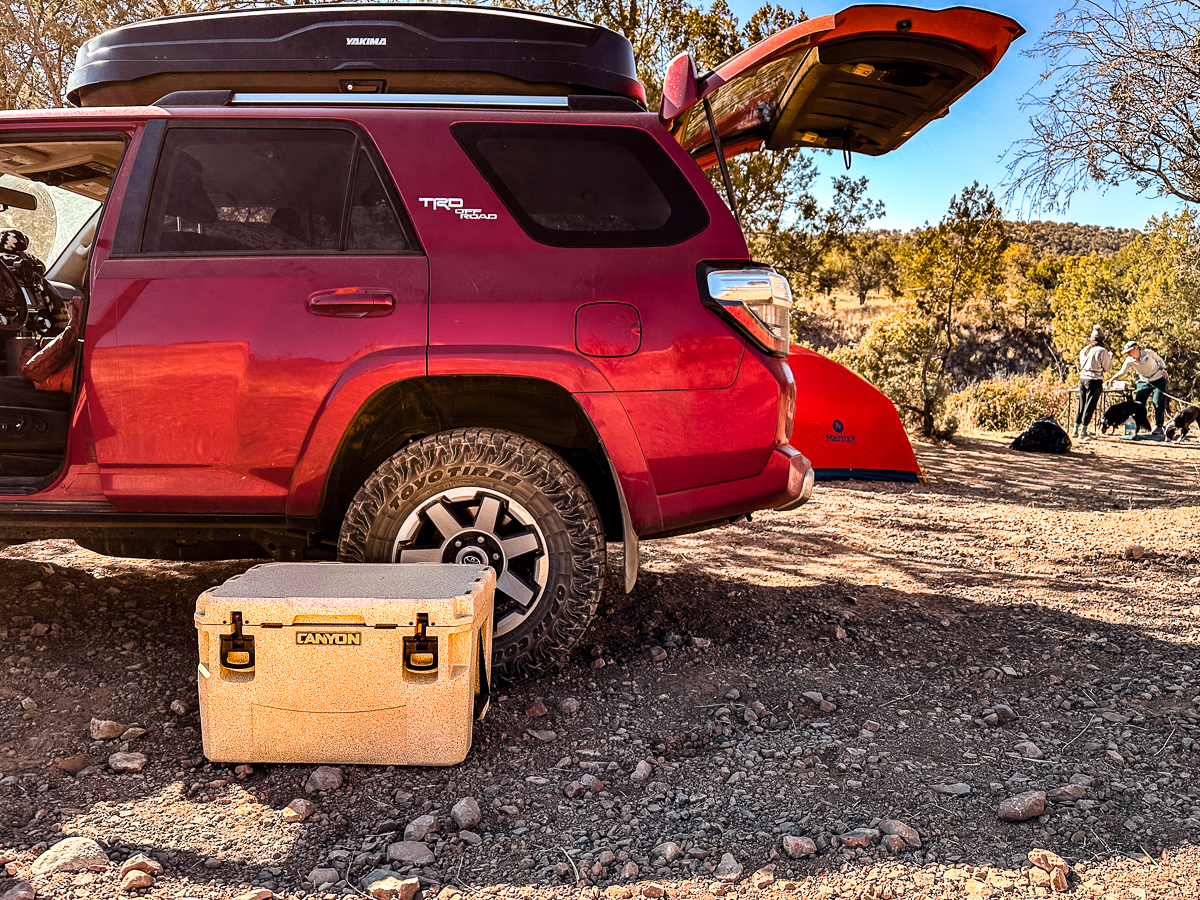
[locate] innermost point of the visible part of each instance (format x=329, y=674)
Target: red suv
x=420, y=283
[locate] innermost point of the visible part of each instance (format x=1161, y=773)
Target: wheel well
x=409, y=410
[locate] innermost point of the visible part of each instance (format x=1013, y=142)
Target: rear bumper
x=801, y=479
x=784, y=483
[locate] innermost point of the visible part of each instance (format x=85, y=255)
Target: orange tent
x=845, y=426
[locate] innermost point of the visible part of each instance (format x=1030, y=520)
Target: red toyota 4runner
x=399, y=283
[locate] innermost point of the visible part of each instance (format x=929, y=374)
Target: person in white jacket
x=1094, y=361
x=1152, y=378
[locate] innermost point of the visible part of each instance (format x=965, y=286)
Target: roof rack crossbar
x=462, y=100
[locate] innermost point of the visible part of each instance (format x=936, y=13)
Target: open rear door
x=865, y=80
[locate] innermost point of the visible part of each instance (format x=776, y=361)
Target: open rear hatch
x=864, y=80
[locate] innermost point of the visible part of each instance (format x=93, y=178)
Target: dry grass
x=1009, y=404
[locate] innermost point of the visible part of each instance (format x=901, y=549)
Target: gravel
x=850, y=696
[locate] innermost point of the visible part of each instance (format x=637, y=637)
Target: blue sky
x=917, y=181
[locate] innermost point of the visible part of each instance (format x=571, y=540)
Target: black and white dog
x=1116, y=414
x=1177, y=428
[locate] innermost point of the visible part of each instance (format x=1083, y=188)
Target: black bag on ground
x=1043, y=436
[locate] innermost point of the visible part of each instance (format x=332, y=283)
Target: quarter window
x=585, y=186
x=269, y=191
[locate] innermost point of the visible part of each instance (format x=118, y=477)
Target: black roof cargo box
x=391, y=48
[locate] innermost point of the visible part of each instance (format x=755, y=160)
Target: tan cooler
x=340, y=663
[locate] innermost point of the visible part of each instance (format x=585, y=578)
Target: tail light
x=753, y=298
x=787, y=409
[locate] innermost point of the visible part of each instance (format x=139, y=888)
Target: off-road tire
x=523, y=471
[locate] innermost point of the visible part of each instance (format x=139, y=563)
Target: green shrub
x=896, y=349
x=1010, y=404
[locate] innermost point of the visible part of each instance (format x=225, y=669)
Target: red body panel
x=222, y=370
x=779, y=482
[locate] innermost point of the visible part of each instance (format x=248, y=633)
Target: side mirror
x=680, y=89
x=17, y=199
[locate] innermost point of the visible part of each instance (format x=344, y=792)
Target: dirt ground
x=832, y=702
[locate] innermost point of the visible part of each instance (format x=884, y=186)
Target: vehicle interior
x=51, y=194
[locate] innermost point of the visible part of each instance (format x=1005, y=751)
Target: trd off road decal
x=455, y=204
x=330, y=638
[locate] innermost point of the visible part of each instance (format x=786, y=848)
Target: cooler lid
x=222, y=50
x=369, y=592
x=352, y=581
x=865, y=79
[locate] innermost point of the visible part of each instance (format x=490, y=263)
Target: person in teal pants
x=1152, y=379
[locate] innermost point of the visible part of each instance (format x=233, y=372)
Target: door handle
x=352, y=302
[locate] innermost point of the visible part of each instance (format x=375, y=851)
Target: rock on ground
x=798, y=846
x=418, y=828
x=413, y=853
x=860, y=838
x=1047, y=860
x=127, y=763
x=670, y=851
x=74, y=854
x=141, y=863
x=298, y=810
x=728, y=869
x=1068, y=793
x=466, y=813
x=384, y=884
x=1029, y=750
x=135, y=880
x=105, y=729
x=955, y=789
x=322, y=875
x=901, y=830
x=323, y=778
x=71, y=765
x=1023, y=806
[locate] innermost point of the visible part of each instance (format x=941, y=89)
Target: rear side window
x=585, y=186
x=269, y=191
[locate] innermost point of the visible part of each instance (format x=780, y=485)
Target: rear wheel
x=486, y=497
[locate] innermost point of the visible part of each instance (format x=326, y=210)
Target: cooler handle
x=236, y=642
x=484, y=695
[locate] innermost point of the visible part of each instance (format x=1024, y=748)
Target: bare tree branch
x=1116, y=102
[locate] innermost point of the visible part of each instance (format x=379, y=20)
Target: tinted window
x=373, y=225
x=268, y=191
x=586, y=186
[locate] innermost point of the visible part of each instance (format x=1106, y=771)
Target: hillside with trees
x=1070, y=238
